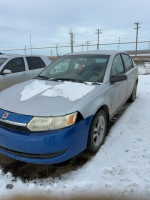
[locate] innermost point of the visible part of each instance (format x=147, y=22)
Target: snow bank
x=144, y=69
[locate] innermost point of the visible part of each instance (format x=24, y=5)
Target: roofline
x=94, y=52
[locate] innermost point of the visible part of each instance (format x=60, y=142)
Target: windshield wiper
x=96, y=83
x=69, y=79
x=43, y=77
x=53, y=79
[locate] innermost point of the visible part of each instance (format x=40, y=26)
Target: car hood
x=45, y=98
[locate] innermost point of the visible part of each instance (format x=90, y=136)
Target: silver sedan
x=66, y=109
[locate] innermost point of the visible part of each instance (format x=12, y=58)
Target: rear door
x=18, y=73
x=130, y=72
x=35, y=64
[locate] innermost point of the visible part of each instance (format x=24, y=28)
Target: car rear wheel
x=97, y=131
x=133, y=95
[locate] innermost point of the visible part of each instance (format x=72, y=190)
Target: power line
x=105, y=29
x=84, y=33
x=113, y=43
x=128, y=34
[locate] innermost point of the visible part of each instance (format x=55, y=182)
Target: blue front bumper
x=45, y=147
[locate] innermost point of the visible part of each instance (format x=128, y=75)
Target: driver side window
x=15, y=65
x=117, y=66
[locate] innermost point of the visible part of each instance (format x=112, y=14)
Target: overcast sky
x=49, y=22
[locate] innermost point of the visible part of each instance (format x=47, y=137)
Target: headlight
x=51, y=123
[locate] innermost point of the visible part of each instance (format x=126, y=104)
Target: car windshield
x=82, y=68
x=2, y=60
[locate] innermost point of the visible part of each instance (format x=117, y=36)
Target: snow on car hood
x=43, y=98
x=71, y=91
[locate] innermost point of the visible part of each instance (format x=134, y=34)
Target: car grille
x=36, y=156
x=14, y=127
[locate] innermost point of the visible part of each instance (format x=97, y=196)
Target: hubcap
x=99, y=130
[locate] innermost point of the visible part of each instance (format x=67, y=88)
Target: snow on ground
x=144, y=69
x=146, y=54
x=121, y=168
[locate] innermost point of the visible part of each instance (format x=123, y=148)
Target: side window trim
x=126, y=70
x=112, y=64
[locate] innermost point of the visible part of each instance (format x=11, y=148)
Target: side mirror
x=118, y=78
x=7, y=71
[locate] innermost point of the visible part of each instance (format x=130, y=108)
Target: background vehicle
x=19, y=68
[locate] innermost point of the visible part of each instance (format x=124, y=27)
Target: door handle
x=24, y=74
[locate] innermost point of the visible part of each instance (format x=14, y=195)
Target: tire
x=97, y=131
x=133, y=95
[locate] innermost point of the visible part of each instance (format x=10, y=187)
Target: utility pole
x=87, y=42
x=57, y=49
x=71, y=40
x=82, y=47
x=51, y=52
x=119, y=44
x=137, y=27
x=98, y=32
x=30, y=44
x=25, y=49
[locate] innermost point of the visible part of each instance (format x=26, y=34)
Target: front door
x=18, y=73
x=118, y=90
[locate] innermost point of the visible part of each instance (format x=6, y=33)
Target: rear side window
x=41, y=62
x=15, y=65
x=127, y=62
x=35, y=63
x=117, y=66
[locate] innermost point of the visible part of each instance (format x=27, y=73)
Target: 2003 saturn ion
x=66, y=109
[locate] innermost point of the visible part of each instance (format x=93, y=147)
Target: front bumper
x=45, y=147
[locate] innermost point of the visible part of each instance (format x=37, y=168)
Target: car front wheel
x=97, y=131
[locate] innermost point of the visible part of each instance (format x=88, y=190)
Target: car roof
x=14, y=55
x=102, y=52
x=7, y=55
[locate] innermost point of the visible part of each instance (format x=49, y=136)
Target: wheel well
x=106, y=109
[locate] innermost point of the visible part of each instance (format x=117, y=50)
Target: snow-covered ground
x=121, y=168
x=146, y=54
x=144, y=68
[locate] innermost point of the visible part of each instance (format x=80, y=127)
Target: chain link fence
x=61, y=50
